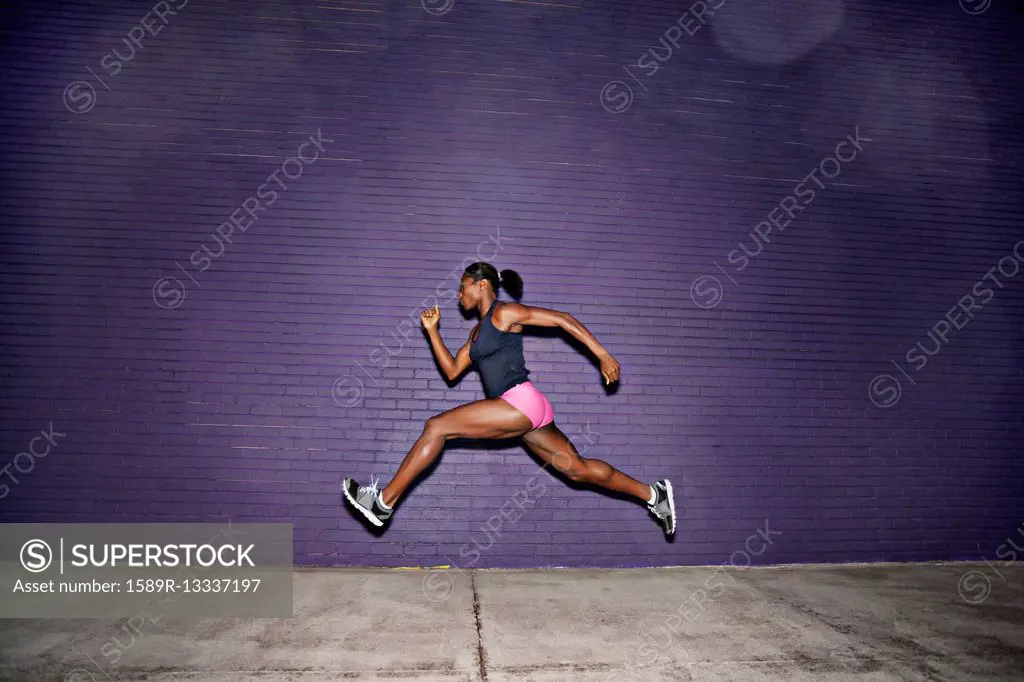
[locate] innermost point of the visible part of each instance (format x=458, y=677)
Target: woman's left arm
x=527, y=316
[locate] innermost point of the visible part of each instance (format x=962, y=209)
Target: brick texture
x=768, y=338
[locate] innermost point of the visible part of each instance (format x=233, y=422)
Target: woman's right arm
x=452, y=367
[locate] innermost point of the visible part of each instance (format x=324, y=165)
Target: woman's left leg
x=489, y=418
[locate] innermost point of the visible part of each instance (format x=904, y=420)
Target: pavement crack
x=481, y=655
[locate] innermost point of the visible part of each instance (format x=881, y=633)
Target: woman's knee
x=574, y=468
x=439, y=426
x=578, y=476
x=593, y=471
x=434, y=426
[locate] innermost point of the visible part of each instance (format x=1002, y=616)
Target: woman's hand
x=430, y=317
x=609, y=369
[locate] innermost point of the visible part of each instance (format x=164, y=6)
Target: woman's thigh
x=489, y=418
x=554, y=448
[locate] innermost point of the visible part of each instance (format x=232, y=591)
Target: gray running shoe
x=664, y=506
x=364, y=499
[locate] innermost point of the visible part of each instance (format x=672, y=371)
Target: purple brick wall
x=781, y=391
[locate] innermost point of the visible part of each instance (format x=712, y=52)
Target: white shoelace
x=372, y=488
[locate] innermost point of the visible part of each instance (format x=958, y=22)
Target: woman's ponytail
x=510, y=281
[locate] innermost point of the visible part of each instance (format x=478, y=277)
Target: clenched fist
x=430, y=318
x=610, y=369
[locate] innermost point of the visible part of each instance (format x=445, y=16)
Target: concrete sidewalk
x=876, y=622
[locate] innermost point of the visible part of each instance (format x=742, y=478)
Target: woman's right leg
x=551, y=445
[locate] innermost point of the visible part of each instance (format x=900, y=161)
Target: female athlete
x=513, y=407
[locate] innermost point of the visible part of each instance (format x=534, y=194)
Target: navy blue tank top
x=498, y=356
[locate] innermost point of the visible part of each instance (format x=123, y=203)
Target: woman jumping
x=513, y=407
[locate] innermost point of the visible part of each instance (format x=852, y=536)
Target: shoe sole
x=369, y=517
x=671, y=505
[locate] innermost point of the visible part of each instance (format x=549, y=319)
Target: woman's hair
x=510, y=280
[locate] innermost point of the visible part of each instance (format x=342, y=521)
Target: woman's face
x=469, y=292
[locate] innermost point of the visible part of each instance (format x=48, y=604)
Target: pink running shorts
x=531, y=402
